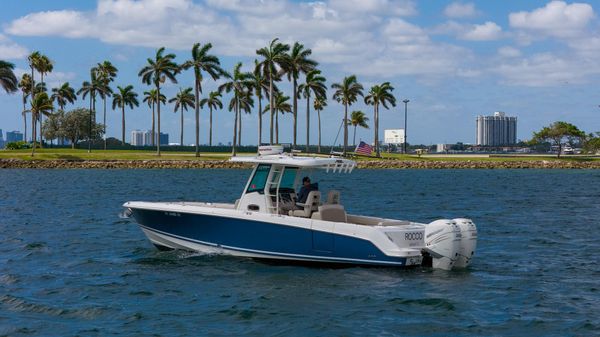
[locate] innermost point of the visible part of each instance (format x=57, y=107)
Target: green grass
x=82, y=154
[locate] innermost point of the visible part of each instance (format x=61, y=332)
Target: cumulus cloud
x=460, y=10
x=508, y=51
x=10, y=50
x=556, y=19
x=485, y=32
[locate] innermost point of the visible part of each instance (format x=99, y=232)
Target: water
x=70, y=266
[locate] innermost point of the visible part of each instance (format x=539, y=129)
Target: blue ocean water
x=69, y=266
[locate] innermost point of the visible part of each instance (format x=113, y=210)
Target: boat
x=268, y=223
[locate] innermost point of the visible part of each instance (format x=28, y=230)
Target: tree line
x=275, y=62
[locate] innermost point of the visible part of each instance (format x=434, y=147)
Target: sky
x=537, y=60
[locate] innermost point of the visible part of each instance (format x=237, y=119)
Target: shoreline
x=224, y=164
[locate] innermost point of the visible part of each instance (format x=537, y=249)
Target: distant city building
x=164, y=138
x=137, y=138
x=14, y=136
x=442, y=148
x=1, y=140
x=144, y=138
x=496, y=130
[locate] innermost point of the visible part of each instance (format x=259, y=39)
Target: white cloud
x=460, y=10
x=10, y=50
x=485, y=32
x=508, y=51
x=473, y=32
x=556, y=19
x=388, y=7
x=546, y=70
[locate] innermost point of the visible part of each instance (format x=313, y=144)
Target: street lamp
x=405, y=113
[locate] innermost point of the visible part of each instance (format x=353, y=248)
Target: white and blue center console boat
x=266, y=222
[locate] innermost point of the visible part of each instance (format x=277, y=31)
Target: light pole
x=405, y=114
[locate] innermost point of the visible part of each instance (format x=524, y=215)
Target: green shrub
x=18, y=145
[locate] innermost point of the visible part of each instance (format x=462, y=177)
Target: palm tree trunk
x=197, y=106
x=375, y=126
x=153, y=136
x=259, y=119
x=307, y=121
x=123, y=124
x=377, y=150
x=354, y=138
x=181, y=140
x=33, y=135
x=158, y=120
x=40, y=116
x=345, y=128
x=90, y=126
x=210, y=128
x=235, y=124
x=240, y=127
x=277, y=127
x=319, y=117
x=271, y=104
x=295, y=112
x=104, y=119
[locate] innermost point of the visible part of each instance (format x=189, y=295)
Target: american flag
x=364, y=149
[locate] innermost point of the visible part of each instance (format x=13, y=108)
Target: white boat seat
x=313, y=200
x=334, y=213
x=333, y=197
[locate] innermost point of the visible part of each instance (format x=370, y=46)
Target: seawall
x=374, y=164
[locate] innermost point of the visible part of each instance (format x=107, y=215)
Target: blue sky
x=537, y=60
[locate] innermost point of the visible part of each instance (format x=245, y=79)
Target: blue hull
x=272, y=240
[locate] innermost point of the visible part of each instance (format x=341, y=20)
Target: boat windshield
x=258, y=182
x=288, y=180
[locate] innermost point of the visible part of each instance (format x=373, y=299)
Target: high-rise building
x=496, y=130
x=137, y=138
x=144, y=138
x=164, y=138
x=14, y=136
x=1, y=139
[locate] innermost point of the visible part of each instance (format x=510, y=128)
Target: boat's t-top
x=272, y=185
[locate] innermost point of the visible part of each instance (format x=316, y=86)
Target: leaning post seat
x=335, y=213
x=313, y=200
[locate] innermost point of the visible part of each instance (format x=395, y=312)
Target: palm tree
x=212, y=102
x=241, y=101
x=319, y=104
x=298, y=63
x=315, y=83
x=347, y=93
x=240, y=84
x=274, y=56
x=184, y=100
x=280, y=104
x=260, y=85
x=202, y=61
x=379, y=95
x=25, y=86
x=156, y=72
x=63, y=95
x=125, y=97
x=106, y=73
x=92, y=88
x=358, y=118
x=41, y=104
x=44, y=66
x=8, y=80
x=152, y=99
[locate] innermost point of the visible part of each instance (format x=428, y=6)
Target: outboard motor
x=442, y=243
x=468, y=242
